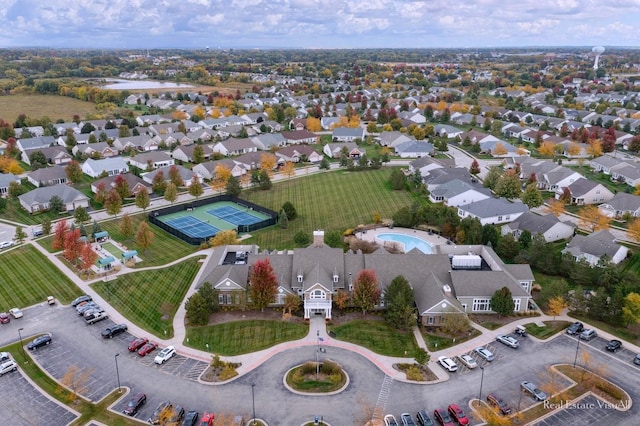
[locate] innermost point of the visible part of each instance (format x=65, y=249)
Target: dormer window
x=335, y=278
x=299, y=278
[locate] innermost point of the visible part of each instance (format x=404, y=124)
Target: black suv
x=39, y=342
x=134, y=404
x=614, y=345
x=423, y=418
x=575, y=328
x=114, y=330
x=79, y=300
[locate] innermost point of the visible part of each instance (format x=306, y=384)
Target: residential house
x=622, y=203
x=28, y=144
x=425, y=164
x=233, y=146
x=493, y=210
x=584, y=191
x=298, y=124
x=139, y=143
x=269, y=141
x=498, y=148
x=95, y=150
x=48, y=176
x=558, y=178
x=38, y=199
x=439, y=176
x=412, y=116
x=53, y=154
x=177, y=138
x=347, y=134
x=148, y=120
x=414, y=149
x=253, y=160
x=151, y=160
x=208, y=169
x=334, y=150
x=393, y=139
x=135, y=183
x=457, y=193
x=594, y=247
x=109, y=166
x=5, y=181
x=186, y=175
x=301, y=136
x=605, y=163
x=297, y=153
x=35, y=131
x=450, y=132
x=549, y=226
x=328, y=122
x=628, y=173
x=185, y=152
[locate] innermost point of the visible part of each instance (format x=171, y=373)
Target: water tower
x=598, y=50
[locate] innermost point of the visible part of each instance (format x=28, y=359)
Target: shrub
x=422, y=356
x=302, y=239
x=414, y=373
x=308, y=367
x=216, y=362
x=330, y=368
x=227, y=373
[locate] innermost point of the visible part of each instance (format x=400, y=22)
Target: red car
x=207, y=419
x=147, y=348
x=137, y=344
x=5, y=318
x=458, y=415
x=442, y=416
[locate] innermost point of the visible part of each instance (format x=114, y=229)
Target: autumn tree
x=80, y=215
x=195, y=187
x=547, y=149
x=263, y=285
x=159, y=183
x=20, y=235
x=508, y=186
x=142, y=199
x=224, y=238
x=60, y=230
x=113, y=203
x=171, y=193
x=592, y=219
x=492, y=177
x=73, y=171
x=222, y=175
x=268, y=162
x=556, y=208
x=532, y=196
x=88, y=256
x=144, y=236
x=485, y=414
x=101, y=193
x=126, y=226
x=366, y=292
x=122, y=186
x=198, y=154
x=595, y=148
x=341, y=299
x=631, y=309
x=455, y=323
x=72, y=245
x=313, y=124
x=555, y=305
x=499, y=149
x=574, y=149
x=502, y=302
x=74, y=381
x=289, y=169
x=292, y=302
x=475, y=167
x=633, y=231
x=175, y=177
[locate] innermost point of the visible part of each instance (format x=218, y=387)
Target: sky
x=196, y=24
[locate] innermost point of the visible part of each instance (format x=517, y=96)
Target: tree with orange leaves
x=268, y=163
x=289, y=169
x=556, y=208
x=592, y=219
x=88, y=256
x=595, y=148
x=547, y=149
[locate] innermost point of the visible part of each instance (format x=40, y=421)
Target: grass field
x=150, y=298
x=550, y=329
x=377, y=336
x=38, y=106
x=330, y=201
x=28, y=278
x=16, y=213
x=240, y=337
x=632, y=264
x=165, y=248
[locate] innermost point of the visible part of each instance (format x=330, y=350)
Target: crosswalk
x=383, y=397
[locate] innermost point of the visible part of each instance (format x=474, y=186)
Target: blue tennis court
x=233, y=215
x=193, y=227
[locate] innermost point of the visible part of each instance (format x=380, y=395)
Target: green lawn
x=165, y=248
x=240, y=337
x=377, y=336
x=28, y=278
x=150, y=298
x=601, y=178
x=437, y=343
x=550, y=329
x=331, y=201
x=632, y=264
x=14, y=212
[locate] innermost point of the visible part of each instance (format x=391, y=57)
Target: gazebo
x=101, y=236
x=105, y=262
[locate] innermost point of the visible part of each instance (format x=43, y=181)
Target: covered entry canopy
x=106, y=261
x=129, y=254
x=102, y=234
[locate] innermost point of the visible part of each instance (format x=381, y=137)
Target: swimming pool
x=409, y=242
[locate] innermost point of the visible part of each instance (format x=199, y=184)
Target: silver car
x=510, y=341
x=485, y=353
x=533, y=390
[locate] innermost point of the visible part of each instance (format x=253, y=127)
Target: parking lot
x=23, y=404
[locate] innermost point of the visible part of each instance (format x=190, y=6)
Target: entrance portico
x=317, y=300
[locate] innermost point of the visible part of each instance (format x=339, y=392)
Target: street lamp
x=117, y=371
x=21, y=345
x=253, y=402
x=481, y=382
x=577, y=349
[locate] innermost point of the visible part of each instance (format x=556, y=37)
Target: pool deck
x=372, y=234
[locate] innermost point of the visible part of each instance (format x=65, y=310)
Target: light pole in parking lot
x=21, y=345
x=481, y=381
x=117, y=372
x=253, y=402
x=577, y=349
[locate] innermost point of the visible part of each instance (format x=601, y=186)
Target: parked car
x=614, y=345
x=165, y=355
x=423, y=418
x=95, y=316
x=7, y=367
x=207, y=419
x=588, y=334
x=510, y=341
x=636, y=360
x=39, y=342
x=190, y=418
x=448, y=364
x=468, y=361
x=390, y=420
x=485, y=353
x=442, y=416
x=78, y=300
x=575, y=328
x=160, y=409
x=499, y=403
x=407, y=420
x=134, y=404
x=114, y=330
x=5, y=244
x=147, y=348
x=15, y=312
x=87, y=307
x=177, y=414
x=4, y=356
x=4, y=318
x=458, y=415
x=520, y=331
x=137, y=344
x=531, y=389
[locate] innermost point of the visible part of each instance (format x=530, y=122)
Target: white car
x=485, y=353
x=448, y=364
x=165, y=355
x=15, y=312
x=390, y=420
x=5, y=244
x=468, y=361
x=508, y=340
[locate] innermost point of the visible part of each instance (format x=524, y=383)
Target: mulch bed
x=427, y=374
